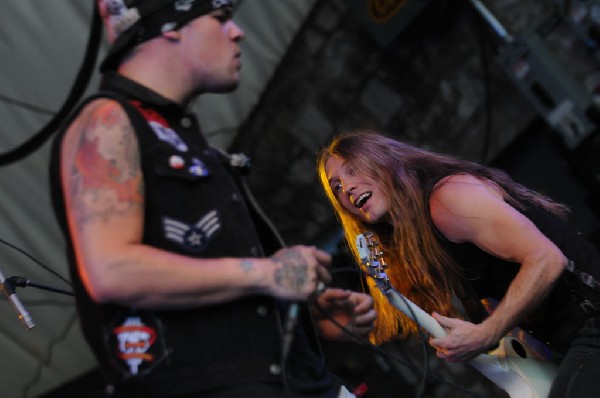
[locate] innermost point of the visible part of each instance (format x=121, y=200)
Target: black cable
x=261, y=212
x=77, y=91
x=361, y=340
x=21, y=281
x=210, y=135
x=423, y=384
x=75, y=94
x=237, y=4
x=59, y=276
x=26, y=105
x=48, y=302
x=49, y=351
x=487, y=87
x=62, y=336
x=425, y=373
x=287, y=331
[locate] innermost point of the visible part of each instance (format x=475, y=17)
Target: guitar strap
x=584, y=289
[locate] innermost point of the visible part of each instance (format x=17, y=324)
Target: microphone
x=289, y=329
x=9, y=291
x=292, y=320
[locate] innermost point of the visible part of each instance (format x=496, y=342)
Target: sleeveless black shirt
x=570, y=302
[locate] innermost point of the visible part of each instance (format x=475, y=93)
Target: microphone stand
x=7, y=286
x=21, y=281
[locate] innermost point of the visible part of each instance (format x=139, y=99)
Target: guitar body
x=527, y=357
x=517, y=357
x=520, y=365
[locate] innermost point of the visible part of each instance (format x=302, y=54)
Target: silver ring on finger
x=320, y=288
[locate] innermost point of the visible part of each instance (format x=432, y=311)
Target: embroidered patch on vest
x=136, y=343
x=168, y=135
x=193, y=237
x=160, y=126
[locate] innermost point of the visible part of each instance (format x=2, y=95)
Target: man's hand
x=298, y=271
x=353, y=310
x=463, y=342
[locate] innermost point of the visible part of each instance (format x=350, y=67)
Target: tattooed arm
x=104, y=196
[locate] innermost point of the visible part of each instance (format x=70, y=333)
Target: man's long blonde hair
x=418, y=266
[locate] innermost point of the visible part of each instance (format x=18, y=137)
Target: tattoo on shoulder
x=105, y=177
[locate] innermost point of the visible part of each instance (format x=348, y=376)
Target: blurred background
x=510, y=83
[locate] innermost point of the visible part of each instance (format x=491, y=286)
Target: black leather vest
x=192, y=207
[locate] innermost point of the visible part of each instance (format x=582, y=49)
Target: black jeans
x=579, y=372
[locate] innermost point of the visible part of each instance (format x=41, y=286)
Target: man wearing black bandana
x=179, y=290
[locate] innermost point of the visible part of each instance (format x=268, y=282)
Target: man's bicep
x=100, y=166
x=480, y=215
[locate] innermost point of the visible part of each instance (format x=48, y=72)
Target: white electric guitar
x=520, y=365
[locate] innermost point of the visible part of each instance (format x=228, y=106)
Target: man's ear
x=172, y=35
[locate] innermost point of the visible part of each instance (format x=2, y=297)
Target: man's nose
x=236, y=32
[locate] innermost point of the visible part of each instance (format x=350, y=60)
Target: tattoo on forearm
x=247, y=265
x=293, y=271
x=106, y=178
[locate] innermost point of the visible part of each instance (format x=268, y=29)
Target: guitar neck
x=414, y=312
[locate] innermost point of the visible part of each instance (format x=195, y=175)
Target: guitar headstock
x=372, y=259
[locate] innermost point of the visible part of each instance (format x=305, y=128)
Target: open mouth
x=362, y=199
